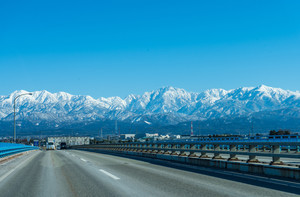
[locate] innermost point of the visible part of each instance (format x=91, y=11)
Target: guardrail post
x=149, y=148
x=132, y=147
x=167, y=152
x=154, y=150
x=232, y=156
x=160, y=151
x=118, y=147
x=276, y=159
x=203, y=153
x=217, y=155
x=174, y=147
x=252, y=157
x=140, y=147
x=135, y=147
x=123, y=147
x=244, y=147
x=182, y=153
x=223, y=147
x=145, y=148
x=192, y=153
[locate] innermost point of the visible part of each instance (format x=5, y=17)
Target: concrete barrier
x=256, y=168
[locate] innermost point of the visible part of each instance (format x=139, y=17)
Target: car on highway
x=63, y=145
x=50, y=146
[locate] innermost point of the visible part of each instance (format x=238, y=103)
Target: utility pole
x=199, y=128
x=116, y=127
x=192, y=129
x=15, y=135
x=252, y=128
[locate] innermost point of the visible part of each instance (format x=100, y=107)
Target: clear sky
x=115, y=48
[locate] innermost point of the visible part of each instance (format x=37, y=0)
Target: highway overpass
x=84, y=173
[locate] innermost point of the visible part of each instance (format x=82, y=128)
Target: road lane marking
x=83, y=160
x=109, y=174
x=8, y=173
x=11, y=171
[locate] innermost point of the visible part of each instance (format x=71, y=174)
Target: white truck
x=50, y=146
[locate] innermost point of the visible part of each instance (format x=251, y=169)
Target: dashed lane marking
x=109, y=174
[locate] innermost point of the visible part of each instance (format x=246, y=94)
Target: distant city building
x=151, y=135
x=127, y=136
x=164, y=137
x=185, y=137
x=70, y=141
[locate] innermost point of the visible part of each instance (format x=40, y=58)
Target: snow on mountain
x=165, y=104
x=164, y=100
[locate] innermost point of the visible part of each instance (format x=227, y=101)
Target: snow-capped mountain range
x=166, y=105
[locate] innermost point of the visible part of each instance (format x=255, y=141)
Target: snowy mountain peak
x=268, y=89
x=18, y=92
x=176, y=103
x=63, y=96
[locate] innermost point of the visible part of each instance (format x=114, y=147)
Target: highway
x=80, y=173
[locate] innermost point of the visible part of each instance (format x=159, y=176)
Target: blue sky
x=115, y=48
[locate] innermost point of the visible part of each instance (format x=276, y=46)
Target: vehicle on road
x=63, y=145
x=50, y=146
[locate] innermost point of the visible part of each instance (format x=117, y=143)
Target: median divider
x=285, y=171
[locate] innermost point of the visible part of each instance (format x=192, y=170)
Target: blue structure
x=7, y=149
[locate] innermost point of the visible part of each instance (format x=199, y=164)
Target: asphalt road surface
x=79, y=173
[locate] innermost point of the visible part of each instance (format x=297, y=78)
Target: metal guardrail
x=252, y=148
x=7, y=149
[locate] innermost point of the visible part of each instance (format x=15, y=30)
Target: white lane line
x=109, y=174
x=83, y=160
x=11, y=171
x=8, y=173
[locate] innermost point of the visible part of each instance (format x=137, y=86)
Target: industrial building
x=70, y=141
x=127, y=136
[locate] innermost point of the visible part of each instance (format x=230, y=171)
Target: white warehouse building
x=70, y=141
